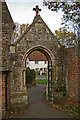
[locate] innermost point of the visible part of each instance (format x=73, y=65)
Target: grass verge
x=42, y=81
x=70, y=106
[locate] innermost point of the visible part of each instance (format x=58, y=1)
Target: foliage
x=71, y=13
x=13, y=112
x=44, y=74
x=19, y=30
x=42, y=81
x=66, y=38
x=69, y=105
x=30, y=73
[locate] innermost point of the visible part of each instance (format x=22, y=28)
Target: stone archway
x=50, y=59
x=37, y=37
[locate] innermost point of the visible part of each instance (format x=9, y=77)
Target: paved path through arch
x=38, y=109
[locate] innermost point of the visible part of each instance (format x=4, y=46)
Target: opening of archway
x=50, y=59
x=37, y=62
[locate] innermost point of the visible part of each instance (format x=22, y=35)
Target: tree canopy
x=19, y=29
x=66, y=38
x=71, y=15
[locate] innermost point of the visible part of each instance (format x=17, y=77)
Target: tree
x=71, y=13
x=19, y=30
x=66, y=38
x=23, y=27
x=16, y=31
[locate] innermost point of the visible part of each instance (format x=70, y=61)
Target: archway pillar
x=23, y=78
x=19, y=98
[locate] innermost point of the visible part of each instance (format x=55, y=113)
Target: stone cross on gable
x=37, y=10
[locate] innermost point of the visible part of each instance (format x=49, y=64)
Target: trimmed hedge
x=30, y=76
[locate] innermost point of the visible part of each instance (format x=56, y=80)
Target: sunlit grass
x=42, y=81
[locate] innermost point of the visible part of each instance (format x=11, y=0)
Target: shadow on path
x=38, y=109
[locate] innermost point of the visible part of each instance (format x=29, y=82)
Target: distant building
x=38, y=62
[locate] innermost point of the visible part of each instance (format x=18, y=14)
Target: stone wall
x=7, y=28
x=3, y=92
x=0, y=60
x=72, y=69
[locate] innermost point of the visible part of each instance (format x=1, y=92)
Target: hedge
x=30, y=76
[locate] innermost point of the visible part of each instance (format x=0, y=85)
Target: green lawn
x=42, y=81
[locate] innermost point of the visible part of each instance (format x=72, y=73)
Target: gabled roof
x=30, y=26
x=37, y=56
x=5, y=9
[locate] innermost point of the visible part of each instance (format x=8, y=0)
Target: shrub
x=30, y=76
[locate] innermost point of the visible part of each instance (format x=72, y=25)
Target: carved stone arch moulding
x=43, y=49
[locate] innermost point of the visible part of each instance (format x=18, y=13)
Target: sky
x=22, y=12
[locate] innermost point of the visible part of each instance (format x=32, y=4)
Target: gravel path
x=38, y=108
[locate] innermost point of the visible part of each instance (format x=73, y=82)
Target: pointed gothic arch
x=51, y=62
x=42, y=49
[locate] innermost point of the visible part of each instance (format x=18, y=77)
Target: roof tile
x=37, y=56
